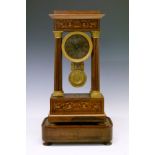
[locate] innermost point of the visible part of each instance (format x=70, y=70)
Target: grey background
x=114, y=62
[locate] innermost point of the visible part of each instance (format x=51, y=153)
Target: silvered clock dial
x=77, y=46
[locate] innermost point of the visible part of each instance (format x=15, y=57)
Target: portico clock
x=77, y=117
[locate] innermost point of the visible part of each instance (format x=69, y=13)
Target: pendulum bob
x=77, y=76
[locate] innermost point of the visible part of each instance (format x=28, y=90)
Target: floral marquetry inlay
x=65, y=24
x=77, y=107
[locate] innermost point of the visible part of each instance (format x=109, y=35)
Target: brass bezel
x=85, y=36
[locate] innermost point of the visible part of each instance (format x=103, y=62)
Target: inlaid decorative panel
x=76, y=106
x=77, y=24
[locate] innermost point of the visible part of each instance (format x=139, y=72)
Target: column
x=95, y=71
x=58, y=64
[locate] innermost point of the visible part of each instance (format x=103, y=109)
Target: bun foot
x=106, y=143
x=47, y=143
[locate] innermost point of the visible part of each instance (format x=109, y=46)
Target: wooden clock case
x=77, y=118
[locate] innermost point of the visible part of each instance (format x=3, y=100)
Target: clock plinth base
x=76, y=108
x=77, y=132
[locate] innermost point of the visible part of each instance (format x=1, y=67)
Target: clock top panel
x=76, y=20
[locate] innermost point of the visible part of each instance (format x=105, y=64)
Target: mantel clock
x=77, y=117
